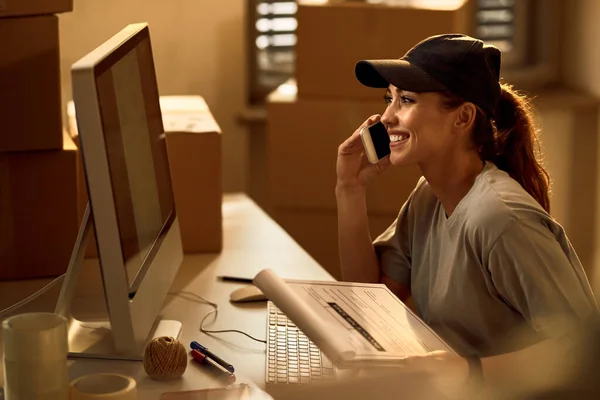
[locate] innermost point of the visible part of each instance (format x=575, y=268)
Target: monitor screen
x=136, y=153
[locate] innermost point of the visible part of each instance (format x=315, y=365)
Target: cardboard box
x=332, y=37
x=316, y=232
x=303, y=137
x=194, y=147
x=21, y=8
x=194, y=150
x=38, y=212
x=30, y=97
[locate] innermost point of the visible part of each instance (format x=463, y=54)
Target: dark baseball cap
x=457, y=63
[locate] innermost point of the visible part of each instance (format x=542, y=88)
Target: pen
x=197, y=346
x=235, y=279
x=203, y=359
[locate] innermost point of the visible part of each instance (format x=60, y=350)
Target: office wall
x=569, y=123
x=198, y=49
x=582, y=58
x=581, y=67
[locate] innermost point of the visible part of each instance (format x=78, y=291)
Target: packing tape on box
x=103, y=386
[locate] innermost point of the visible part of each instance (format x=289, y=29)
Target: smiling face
x=421, y=129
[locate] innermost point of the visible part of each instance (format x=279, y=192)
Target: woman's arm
x=535, y=271
x=358, y=261
x=546, y=362
x=549, y=364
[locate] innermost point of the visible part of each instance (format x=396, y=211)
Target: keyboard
x=291, y=357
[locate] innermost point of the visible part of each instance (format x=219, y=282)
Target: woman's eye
x=387, y=99
x=405, y=99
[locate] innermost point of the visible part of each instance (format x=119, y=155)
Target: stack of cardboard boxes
x=195, y=152
x=307, y=122
x=38, y=213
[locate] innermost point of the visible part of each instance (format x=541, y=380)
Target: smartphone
x=376, y=142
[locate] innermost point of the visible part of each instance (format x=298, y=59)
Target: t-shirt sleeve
x=536, y=277
x=393, y=245
x=393, y=251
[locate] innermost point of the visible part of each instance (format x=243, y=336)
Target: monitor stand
x=94, y=339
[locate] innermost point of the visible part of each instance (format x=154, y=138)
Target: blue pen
x=197, y=346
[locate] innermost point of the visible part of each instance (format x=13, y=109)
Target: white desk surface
x=251, y=241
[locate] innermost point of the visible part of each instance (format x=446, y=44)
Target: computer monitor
x=131, y=201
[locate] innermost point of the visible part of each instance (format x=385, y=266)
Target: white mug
x=35, y=357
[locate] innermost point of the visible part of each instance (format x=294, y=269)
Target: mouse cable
x=58, y=279
x=214, y=311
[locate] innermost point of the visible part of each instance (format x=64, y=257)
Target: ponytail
x=516, y=145
x=509, y=140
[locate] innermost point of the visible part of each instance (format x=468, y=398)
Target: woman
x=486, y=265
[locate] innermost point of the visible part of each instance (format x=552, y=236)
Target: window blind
x=495, y=23
x=502, y=23
x=273, y=41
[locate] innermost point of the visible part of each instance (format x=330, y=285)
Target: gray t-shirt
x=497, y=275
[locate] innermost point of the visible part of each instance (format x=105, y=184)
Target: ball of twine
x=165, y=358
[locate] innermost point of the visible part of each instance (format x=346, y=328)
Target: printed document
x=352, y=323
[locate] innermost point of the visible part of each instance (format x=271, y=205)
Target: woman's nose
x=387, y=118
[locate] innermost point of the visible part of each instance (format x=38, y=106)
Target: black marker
x=235, y=279
x=204, y=359
x=197, y=346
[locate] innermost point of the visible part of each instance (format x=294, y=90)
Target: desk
x=252, y=241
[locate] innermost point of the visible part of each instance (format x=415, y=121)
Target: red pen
x=216, y=368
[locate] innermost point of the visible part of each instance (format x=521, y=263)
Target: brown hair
x=509, y=140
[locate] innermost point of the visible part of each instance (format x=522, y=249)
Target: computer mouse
x=246, y=294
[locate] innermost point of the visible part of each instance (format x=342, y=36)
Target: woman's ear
x=465, y=118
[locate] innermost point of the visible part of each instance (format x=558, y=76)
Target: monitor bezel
x=131, y=319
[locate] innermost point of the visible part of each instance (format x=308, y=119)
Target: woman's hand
x=353, y=167
x=439, y=360
x=450, y=372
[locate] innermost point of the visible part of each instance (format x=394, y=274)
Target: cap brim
x=400, y=73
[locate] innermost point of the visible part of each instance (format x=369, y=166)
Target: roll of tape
x=35, y=356
x=103, y=386
x=35, y=337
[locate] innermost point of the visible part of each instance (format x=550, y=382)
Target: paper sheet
x=366, y=320
x=378, y=323
x=323, y=333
